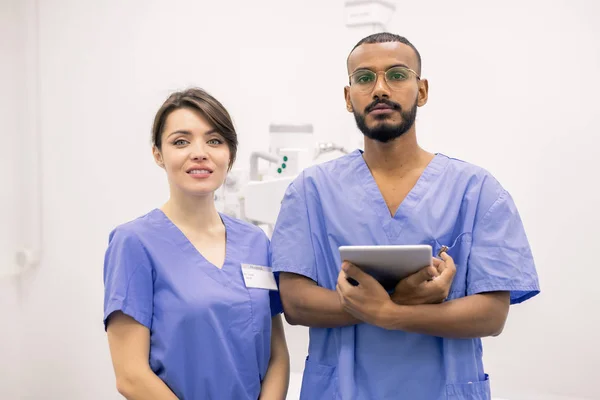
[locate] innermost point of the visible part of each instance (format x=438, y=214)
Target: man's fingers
x=423, y=275
x=339, y=292
x=447, y=276
x=439, y=265
x=342, y=283
x=352, y=271
x=448, y=263
x=345, y=284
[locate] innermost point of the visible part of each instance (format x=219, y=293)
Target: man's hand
x=367, y=300
x=430, y=285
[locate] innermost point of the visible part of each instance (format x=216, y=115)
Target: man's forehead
x=381, y=56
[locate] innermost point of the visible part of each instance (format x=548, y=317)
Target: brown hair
x=199, y=100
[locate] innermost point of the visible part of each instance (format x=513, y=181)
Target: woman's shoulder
x=242, y=226
x=135, y=229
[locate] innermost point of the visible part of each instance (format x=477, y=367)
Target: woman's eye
x=180, y=142
x=214, y=141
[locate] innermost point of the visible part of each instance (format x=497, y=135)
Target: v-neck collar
x=180, y=239
x=394, y=224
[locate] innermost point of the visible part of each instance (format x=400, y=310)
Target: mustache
x=389, y=103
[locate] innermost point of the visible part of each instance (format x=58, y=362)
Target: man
x=415, y=343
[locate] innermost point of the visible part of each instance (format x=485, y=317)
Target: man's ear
x=423, y=92
x=347, y=98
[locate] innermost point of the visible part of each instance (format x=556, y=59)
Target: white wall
x=9, y=108
x=12, y=79
x=513, y=89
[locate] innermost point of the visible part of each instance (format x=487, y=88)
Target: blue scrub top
x=210, y=336
x=453, y=203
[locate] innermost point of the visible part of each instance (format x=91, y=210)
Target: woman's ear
x=158, y=156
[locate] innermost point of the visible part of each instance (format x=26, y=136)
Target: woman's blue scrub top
x=210, y=336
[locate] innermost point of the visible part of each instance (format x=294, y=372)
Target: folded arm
x=478, y=315
x=475, y=316
x=306, y=303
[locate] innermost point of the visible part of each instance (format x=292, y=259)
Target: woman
x=181, y=320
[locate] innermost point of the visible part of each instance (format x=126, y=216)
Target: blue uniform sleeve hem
x=518, y=293
x=296, y=270
x=140, y=317
x=275, y=299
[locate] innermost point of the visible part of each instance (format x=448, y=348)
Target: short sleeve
x=128, y=282
x=292, y=249
x=501, y=258
x=275, y=299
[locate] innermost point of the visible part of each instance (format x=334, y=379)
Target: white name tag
x=256, y=276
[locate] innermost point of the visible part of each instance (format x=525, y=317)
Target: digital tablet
x=388, y=264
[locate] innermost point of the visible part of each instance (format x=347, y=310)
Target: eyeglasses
x=364, y=80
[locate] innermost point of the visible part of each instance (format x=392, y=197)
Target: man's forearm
x=474, y=316
x=317, y=307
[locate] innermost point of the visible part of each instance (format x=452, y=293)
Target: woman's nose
x=198, y=152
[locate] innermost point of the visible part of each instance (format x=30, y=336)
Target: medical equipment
x=288, y=154
x=373, y=14
x=443, y=249
x=256, y=196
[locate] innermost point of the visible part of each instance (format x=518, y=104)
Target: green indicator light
x=283, y=165
x=285, y=158
x=278, y=170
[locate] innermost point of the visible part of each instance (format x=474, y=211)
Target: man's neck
x=397, y=156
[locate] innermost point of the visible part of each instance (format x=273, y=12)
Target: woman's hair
x=199, y=100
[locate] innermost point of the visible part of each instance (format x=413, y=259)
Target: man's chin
x=383, y=126
x=376, y=118
x=383, y=136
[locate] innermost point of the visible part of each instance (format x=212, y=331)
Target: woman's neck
x=197, y=213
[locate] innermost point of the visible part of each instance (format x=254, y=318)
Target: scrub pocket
x=469, y=391
x=319, y=381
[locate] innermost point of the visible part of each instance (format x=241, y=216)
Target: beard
x=385, y=131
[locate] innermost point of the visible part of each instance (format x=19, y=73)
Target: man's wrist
x=396, y=298
x=400, y=299
x=390, y=315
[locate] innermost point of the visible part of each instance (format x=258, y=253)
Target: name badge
x=256, y=276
